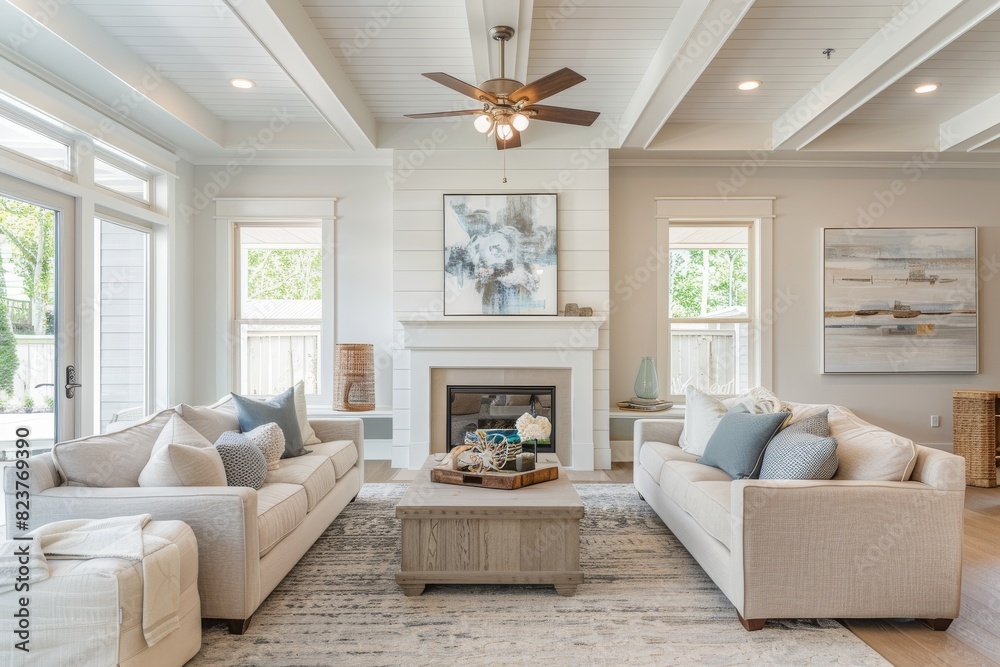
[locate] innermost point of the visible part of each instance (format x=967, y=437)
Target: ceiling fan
x=508, y=104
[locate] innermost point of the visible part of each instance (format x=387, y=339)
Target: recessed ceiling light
x=748, y=85
x=242, y=83
x=927, y=88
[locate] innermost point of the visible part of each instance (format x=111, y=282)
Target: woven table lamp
x=354, y=377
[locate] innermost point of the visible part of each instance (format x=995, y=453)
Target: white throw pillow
x=702, y=413
x=867, y=452
x=184, y=465
x=308, y=434
x=211, y=421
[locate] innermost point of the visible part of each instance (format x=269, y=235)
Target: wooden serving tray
x=544, y=472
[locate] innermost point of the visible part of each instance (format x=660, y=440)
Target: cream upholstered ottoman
x=89, y=612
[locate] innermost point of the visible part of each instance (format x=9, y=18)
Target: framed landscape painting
x=500, y=255
x=900, y=300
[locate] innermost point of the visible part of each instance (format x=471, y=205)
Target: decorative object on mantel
x=645, y=404
x=500, y=255
x=572, y=310
x=646, y=384
x=586, y=311
x=354, y=377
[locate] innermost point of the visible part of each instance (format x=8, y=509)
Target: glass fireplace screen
x=471, y=408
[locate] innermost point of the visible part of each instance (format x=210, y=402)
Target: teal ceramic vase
x=646, y=385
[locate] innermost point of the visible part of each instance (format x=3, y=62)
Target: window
x=709, y=289
x=121, y=181
x=278, y=310
x=709, y=332
x=33, y=144
x=124, y=322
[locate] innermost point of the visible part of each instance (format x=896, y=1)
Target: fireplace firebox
x=472, y=407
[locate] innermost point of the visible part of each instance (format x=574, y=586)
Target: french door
x=39, y=324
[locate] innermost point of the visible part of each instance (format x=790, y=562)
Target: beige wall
x=808, y=199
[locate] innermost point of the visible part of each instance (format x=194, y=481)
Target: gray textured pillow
x=799, y=456
x=244, y=463
x=280, y=410
x=737, y=445
x=817, y=425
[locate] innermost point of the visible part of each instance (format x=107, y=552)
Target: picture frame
x=501, y=254
x=900, y=300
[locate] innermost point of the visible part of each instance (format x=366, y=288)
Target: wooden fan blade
x=563, y=115
x=443, y=114
x=460, y=86
x=547, y=86
x=513, y=142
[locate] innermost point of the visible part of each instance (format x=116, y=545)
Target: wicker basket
x=974, y=415
x=354, y=377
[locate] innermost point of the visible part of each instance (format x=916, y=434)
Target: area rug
x=644, y=601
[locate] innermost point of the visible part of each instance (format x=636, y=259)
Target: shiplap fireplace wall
x=580, y=179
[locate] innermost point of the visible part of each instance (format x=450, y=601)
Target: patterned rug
x=644, y=601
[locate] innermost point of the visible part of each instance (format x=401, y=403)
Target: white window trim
x=149, y=201
x=263, y=210
x=758, y=213
x=35, y=125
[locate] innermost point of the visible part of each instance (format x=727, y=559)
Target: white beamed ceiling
x=662, y=73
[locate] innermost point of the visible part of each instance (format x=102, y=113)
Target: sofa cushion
x=212, y=420
x=280, y=508
x=280, y=410
x=702, y=413
x=709, y=504
x=112, y=459
x=313, y=472
x=183, y=465
x=799, y=456
x=244, y=463
x=737, y=445
x=652, y=455
x=308, y=434
x=867, y=452
x=343, y=454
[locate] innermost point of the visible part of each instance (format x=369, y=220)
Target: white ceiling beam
x=98, y=46
x=485, y=14
x=697, y=32
x=522, y=45
x=973, y=128
x=916, y=33
x=476, y=16
x=291, y=38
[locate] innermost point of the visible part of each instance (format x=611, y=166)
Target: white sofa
x=248, y=539
x=839, y=548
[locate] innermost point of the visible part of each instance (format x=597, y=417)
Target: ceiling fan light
x=483, y=123
x=520, y=122
x=505, y=131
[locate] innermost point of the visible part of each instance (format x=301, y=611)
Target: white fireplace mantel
x=500, y=342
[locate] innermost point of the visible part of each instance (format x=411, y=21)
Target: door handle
x=71, y=385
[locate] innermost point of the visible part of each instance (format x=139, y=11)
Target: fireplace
x=474, y=407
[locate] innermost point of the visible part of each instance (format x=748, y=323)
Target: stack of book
x=645, y=404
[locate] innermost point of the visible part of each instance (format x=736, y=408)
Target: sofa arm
x=224, y=520
x=42, y=474
x=846, y=549
x=655, y=430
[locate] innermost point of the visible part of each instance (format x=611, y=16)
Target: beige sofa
x=248, y=540
x=842, y=548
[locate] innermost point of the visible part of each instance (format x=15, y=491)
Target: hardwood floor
x=973, y=638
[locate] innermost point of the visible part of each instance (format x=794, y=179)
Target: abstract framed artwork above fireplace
x=489, y=407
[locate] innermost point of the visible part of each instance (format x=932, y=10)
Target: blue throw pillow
x=252, y=413
x=737, y=445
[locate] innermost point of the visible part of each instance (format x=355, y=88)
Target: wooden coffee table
x=465, y=535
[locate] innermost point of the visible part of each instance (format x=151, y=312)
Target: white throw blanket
x=122, y=537
x=17, y=554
